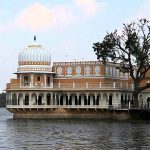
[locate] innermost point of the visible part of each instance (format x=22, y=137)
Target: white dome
x=34, y=54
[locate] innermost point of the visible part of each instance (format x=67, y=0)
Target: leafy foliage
x=131, y=49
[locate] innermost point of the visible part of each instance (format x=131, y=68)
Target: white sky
x=66, y=28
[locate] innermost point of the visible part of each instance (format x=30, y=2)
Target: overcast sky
x=66, y=28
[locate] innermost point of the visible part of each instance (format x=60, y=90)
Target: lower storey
x=74, y=99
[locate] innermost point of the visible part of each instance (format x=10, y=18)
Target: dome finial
x=34, y=38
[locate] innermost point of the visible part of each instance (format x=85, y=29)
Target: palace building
x=43, y=89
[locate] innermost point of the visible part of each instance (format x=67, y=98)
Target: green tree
x=131, y=49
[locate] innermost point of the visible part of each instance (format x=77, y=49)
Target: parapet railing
x=66, y=106
x=74, y=86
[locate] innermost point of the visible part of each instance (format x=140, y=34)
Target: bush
x=3, y=100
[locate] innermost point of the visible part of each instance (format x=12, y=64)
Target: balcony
x=73, y=86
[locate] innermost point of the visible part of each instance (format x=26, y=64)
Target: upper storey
x=88, y=69
x=34, y=58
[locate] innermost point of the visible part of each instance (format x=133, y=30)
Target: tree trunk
x=135, y=94
x=135, y=100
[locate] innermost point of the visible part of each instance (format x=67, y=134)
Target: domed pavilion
x=35, y=66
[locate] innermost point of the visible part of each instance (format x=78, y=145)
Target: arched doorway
x=48, y=99
x=61, y=99
x=64, y=99
x=91, y=99
x=26, y=100
x=73, y=100
x=97, y=100
x=40, y=99
x=20, y=99
x=110, y=100
x=82, y=99
x=14, y=99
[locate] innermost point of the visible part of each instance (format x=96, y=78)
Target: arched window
x=107, y=70
x=97, y=70
x=14, y=99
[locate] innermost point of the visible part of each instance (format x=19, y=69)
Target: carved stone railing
x=65, y=106
x=75, y=86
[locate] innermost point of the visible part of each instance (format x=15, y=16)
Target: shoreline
x=62, y=113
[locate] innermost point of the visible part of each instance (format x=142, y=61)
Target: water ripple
x=71, y=134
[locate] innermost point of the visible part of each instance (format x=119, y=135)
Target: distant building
x=67, y=89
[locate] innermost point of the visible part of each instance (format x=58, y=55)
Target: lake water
x=71, y=134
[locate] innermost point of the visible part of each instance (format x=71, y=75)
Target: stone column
x=45, y=80
x=73, y=100
x=82, y=100
x=68, y=98
x=91, y=101
x=51, y=99
x=129, y=100
x=102, y=96
x=114, y=100
x=37, y=97
x=64, y=100
x=20, y=80
x=23, y=99
x=9, y=99
x=17, y=98
x=101, y=100
x=119, y=99
x=59, y=98
x=95, y=98
x=51, y=80
x=32, y=79
x=54, y=99
x=77, y=98
x=107, y=99
x=124, y=99
x=114, y=84
x=129, y=105
x=30, y=99
x=44, y=99
x=87, y=96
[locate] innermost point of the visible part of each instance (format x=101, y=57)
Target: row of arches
x=53, y=99
x=103, y=99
